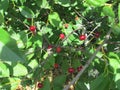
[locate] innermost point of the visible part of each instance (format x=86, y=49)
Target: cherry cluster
x=62, y=36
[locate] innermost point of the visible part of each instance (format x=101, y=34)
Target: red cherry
x=97, y=34
x=40, y=85
x=62, y=36
x=56, y=65
x=79, y=68
x=49, y=47
x=32, y=28
x=71, y=70
x=66, y=25
x=58, y=49
x=82, y=37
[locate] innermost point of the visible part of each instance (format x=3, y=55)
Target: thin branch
x=94, y=30
x=113, y=42
x=20, y=21
x=80, y=15
x=88, y=62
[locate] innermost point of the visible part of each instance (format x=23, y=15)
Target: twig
x=88, y=62
x=94, y=30
x=20, y=21
x=113, y=42
x=81, y=16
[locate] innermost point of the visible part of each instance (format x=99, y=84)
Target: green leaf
x=59, y=81
x=65, y=3
x=115, y=63
x=113, y=55
x=9, y=50
x=50, y=62
x=96, y=2
x=4, y=70
x=19, y=70
x=76, y=63
x=37, y=39
x=119, y=12
x=116, y=29
x=26, y=12
x=54, y=19
x=43, y=4
x=68, y=31
x=33, y=64
x=10, y=83
x=4, y=5
x=80, y=86
x=100, y=83
x=21, y=38
x=117, y=80
x=22, y=1
x=108, y=11
x=99, y=54
x=1, y=18
x=64, y=66
x=46, y=85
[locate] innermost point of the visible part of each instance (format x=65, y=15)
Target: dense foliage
x=44, y=44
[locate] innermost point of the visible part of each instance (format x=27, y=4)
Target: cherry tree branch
x=88, y=62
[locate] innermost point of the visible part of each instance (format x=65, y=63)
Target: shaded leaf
x=58, y=82
x=1, y=18
x=80, y=86
x=46, y=85
x=22, y=1
x=100, y=83
x=43, y=4
x=116, y=29
x=4, y=5
x=9, y=50
x=119, y=12
x=26, y=12
x=50, y=62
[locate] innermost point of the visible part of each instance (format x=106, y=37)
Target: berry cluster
x=58, y=49
x=72, y=70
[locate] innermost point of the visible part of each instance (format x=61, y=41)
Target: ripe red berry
x=82, y=37
x=66, y=25
x=97, y=34
x=62, y=36
x=56, y=65
x=49, y=47
x=71, y=70
x=40, y=85
x=58, y=49
x=32, y=28
x=79, y=68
